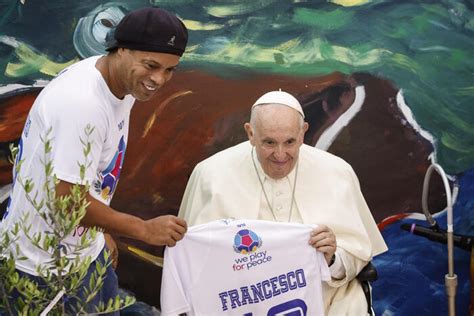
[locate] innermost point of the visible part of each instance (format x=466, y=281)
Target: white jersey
x=244, y=267
x=77, y=98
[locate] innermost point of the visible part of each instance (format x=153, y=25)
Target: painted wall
x=387, y=85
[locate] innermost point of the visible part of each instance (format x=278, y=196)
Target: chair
x=366, y=275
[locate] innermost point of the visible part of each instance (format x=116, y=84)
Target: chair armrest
x=368, y=273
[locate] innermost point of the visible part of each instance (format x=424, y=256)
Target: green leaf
x=28, y=186
x=62, y=214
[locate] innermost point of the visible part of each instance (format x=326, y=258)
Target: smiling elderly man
x=275, y=177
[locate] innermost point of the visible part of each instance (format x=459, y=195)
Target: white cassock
x=327, y=192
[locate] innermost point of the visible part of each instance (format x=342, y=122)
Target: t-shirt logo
x=246, y=241
x=109, y=178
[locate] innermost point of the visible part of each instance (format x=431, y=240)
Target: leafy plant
x=60, y=287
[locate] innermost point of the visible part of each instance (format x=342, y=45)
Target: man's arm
x=112, y=247
x=158, y=231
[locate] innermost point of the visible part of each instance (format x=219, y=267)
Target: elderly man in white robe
x=274, y=176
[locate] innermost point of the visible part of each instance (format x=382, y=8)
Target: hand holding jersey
x=164, y=230
x=244, y=267
x=323, y=239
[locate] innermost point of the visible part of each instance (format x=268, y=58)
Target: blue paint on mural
x=412, y=273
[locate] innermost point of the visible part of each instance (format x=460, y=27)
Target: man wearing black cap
x=97, y=94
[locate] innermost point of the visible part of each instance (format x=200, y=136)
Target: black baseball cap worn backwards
x=151, y=29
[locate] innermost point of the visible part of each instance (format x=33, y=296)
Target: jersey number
x=294, y=307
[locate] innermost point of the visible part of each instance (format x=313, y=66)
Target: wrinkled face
x=143, y=73
x=277, y=133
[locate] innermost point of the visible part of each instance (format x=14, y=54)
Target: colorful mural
x=387, y=85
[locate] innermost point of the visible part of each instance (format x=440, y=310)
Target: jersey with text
x=244, y=267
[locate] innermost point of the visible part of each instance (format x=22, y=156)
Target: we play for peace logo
x=247, y=242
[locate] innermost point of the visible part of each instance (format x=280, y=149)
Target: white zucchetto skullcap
x=279, y=97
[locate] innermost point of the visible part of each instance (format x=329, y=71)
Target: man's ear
x=305, y=127
x=304, y=130
x=249, y=130
x=121, y=51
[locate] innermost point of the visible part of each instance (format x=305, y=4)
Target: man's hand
x=323, y=239
x=164, y=230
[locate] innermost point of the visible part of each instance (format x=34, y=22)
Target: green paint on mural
x=457, y=58
x=233, y=8
x=466, y=91
x=198, y=26
x=424, y=47
x=406, y=63
x=451, y=141
x=350, y=3
x=32, y=62
x=323, y=20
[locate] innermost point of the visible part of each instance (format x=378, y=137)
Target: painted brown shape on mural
x=206, y=116
x=14, y=108
x=198, y=114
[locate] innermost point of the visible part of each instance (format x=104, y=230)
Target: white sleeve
x=338, y=271
x=196, y=197
x=323, y=266
x=173, y=297
x=68, y=122
x=321, y=260
x=352, y=266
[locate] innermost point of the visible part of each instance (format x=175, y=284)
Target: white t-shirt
x=78, y=97
x=244, y=267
